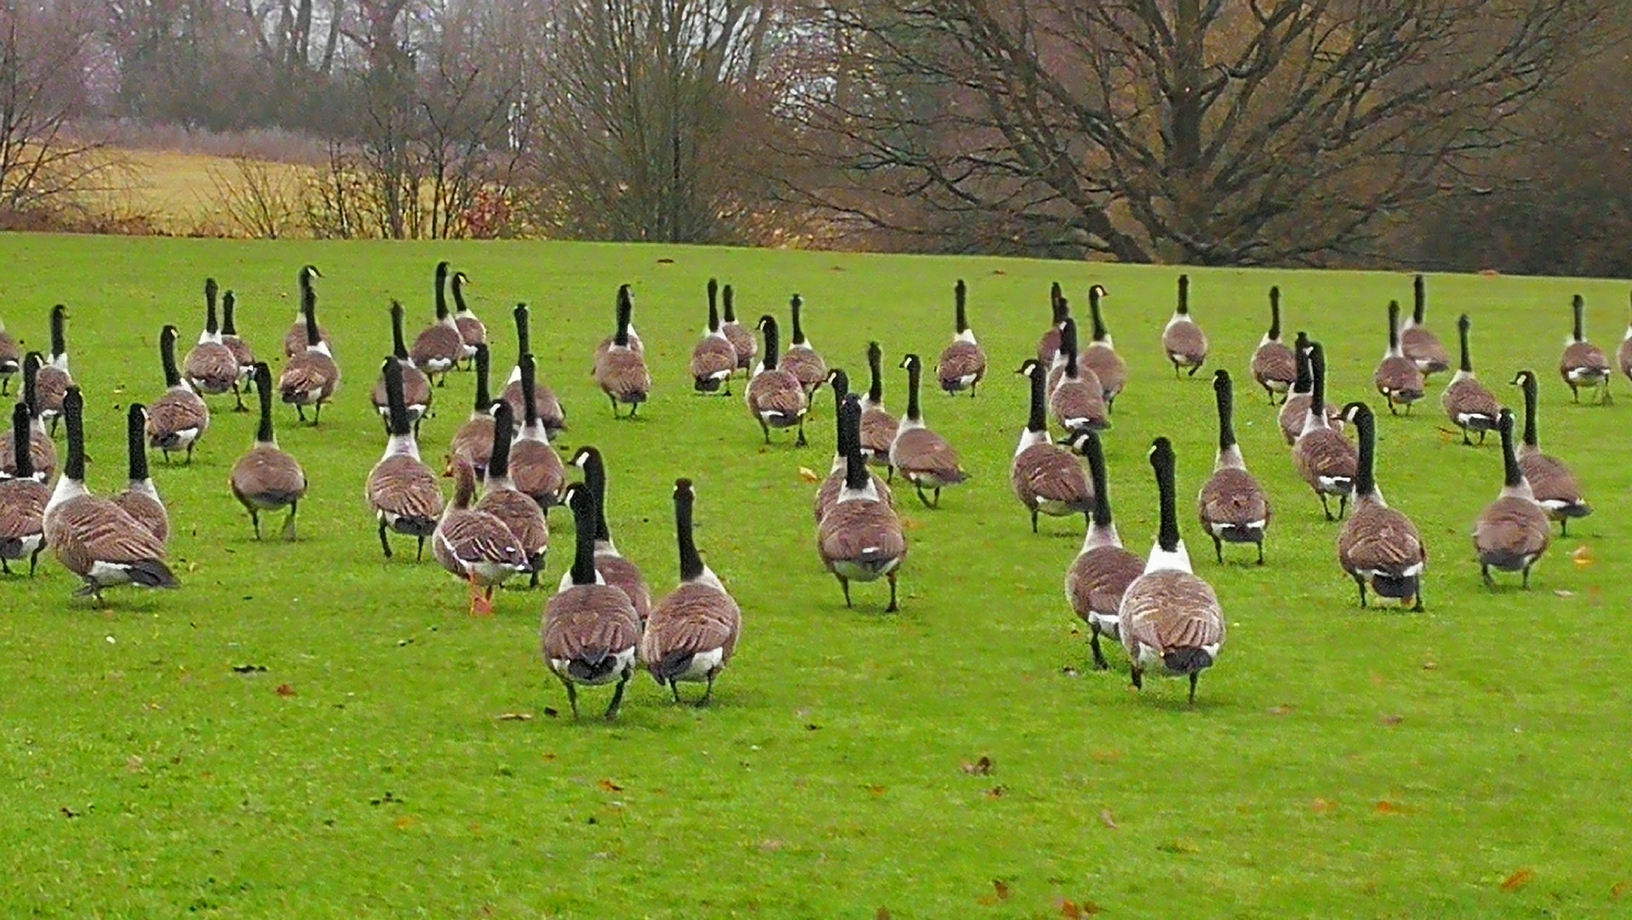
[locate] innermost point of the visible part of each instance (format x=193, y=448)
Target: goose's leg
x=238, y=394
x=709, y=692
x=1193, y=678
x=384, y=543
x=1324, y=506
x=801, y=442
x=1100, y=664
x=419, y=554
x=1260, y=552
x=255, y=518
x=1218, y=549
x=289, y=522
x=674, y=686
x=893, y=605
x=1360, y=581
x=1137, y=676
x=572, y=694
x=1484, y=572
x=845, y=584
x=1034, y=520
x=617, y=696
x=1417, y=608
x=1527, y=578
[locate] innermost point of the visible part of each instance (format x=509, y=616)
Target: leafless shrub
x=260, y=199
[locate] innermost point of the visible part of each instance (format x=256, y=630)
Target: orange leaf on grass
x=609, y=786
x=1385, y=807
x=1518, y=880
x=1321, y=806
x=285, y=690
x=1619, y=889
x=883, y=914
x=1071, y=910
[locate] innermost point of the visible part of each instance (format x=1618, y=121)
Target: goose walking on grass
x=471, y=329
x=1296, y=405
x=417, y=392
x=1102, y=571
x=1417, y=341
x=1170, y=620
x=878, y=426
x=1512, y=532
x=774, y=394
x=828, y=493
x=309, y=377
x=1378, y=545
x=962, y=363
x=1048, y=346
x=268, y=478
x=620, y=369
x=615, y=569
x=1555, y=488
x=713, y=358
x=1623, y=355
x=800, y=358
x=504, y=501
x=535, y=467
x=53, y=380
x=1046, y=477
x=179, y=418
x=1232, y=505
x=474, y=546
x=22, y=501
x=625, y=326
x=1076, y=397
x=140, y=499
x=1584, y=364
x=1100, y=356
x=693, y=632
x=1466, y=401
x=1272, y=363
x=545, y=404
x=473, y=443
x=241, y=350
x=210, y=368
x=299, y=337
x=860, y=538
x=42, y=452
x=403, y=493
x=11, y=359
x=439, y=346
x=742, y=340
x=1325, y=459
x=924, y=457
x=1183, y=340
x=90, y=535
x=1397, y=377
x=591, y=635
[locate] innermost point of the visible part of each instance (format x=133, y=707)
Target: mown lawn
x=1468, y=761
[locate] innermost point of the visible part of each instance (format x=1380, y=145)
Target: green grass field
x=1467, y=761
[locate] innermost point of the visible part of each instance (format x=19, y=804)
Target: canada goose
x=90, y=535
x=714, y=358
x=299, y=337
x=535, y=467
x=266, y=478
x=22, y=501
x=1056, y=368
x=1416, y=341
x=828, y=492
x=625, y=326
x=615, y=569
x=1232, y=505
x=1623, y=355
x=1377, y=543
x=545, y=404
x=774, y=394
x=1045, y=476
x=53, y=380
x=1512, y=532
x=474, y=546
x=693, y=632
x=473, y=443
x=309, y=377
x=210, y=368
x=620, y=370
x=11, y=359
x=1465, y=400
x=1397, y=377
x=180, y=417
x=140, y=499
x=799, y=358
x=590, y=632
x=1272, y=364
x=241, y=352
x=1296, y=405
x=1183, y=340
x=878, y=426
x=417, y=392
x=1584, y=364
x=439, y=346
x=42, y=451
x=1100, y=356
x=1169, y=618
x=1325, y=459
x=921, y=455
x=746, y=345
x=471, y=329
x=860, y=537
x=1048, y=347
x=402, y=491
x=1077, y=398
x=963, y=363
x=1102, y=571
x=504, y=501
x=1555, y=488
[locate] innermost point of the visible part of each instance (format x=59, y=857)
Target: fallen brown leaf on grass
x=405, y=822
x=1619, y=889
x=1385, y=807
x=883, y=914
x=285, y=690
x=1391, y=720
x=1105, y=756
x=1518, y=880
x=1321, y=806
x=1071, y=910
x=609, y=786
x=875, y=790
x=1582, y=556
x=1281, y=710
x=997, y=792
x=808, y=474
x=981, y=767
x=514, y=717
x=1001, y=889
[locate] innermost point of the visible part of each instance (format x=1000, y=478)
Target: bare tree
x=42, y=53
x=1212, y=131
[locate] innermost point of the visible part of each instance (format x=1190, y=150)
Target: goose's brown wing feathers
x=1424, y=349
x=405, y=487
x=860, y=531
x=266, y=477
x=622, y=375
x=1168, y=610
x=522, y=515
x=959, y=361
x=1378, y=538
x=778, y=393
x=589, y=622
x=211, y=367
x=1274, y=366
x=1185, y=344
x=919, y=450
x=1233, y=497
x=1048, y=472
x=693, y=619
x=1098, y=578
x=1079, y=405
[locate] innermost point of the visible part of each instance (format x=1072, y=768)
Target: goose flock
x=603, y=623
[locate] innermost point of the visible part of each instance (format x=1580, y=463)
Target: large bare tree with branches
x=1208, y=131
x=42, y=58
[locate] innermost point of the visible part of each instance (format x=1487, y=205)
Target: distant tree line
x=1455, y=134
